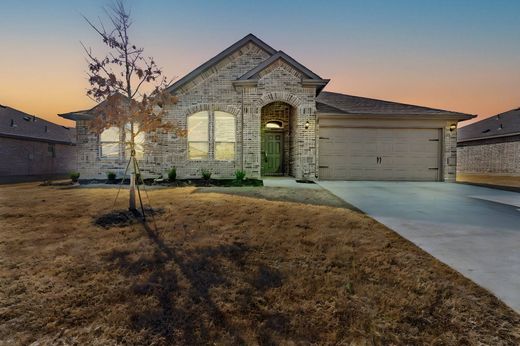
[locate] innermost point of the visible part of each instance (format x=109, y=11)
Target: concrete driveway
x=475, y=230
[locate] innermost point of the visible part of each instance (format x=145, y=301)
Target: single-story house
x=32, y=148
x=491, y=146
x=255, y=108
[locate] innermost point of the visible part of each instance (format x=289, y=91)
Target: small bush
x=111, y=176
x=240, y=175
x=74, y=176
x=172, y=174
x=206, y=174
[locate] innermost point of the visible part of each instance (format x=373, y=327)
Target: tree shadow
x=187, y=314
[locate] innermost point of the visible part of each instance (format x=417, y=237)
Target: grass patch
x=225, y=269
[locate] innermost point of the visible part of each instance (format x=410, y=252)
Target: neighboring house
x=255, y=108
x=491, y=146
x=32, y=148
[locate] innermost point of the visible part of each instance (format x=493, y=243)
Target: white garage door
x=348, y=153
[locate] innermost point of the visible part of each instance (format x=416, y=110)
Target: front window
x=224, y=136
x=109, y=143
x=198, y=136
x=138, y=141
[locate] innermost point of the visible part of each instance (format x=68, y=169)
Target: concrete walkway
x=475, y=230
x=288, y=182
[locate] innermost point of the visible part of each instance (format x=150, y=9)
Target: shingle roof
x=17, y=124
x=503, y=124
x=336, y=103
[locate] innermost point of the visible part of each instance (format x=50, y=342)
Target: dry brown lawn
x=225, y=269
x=501, y=180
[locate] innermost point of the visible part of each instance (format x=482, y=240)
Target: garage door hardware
x=324, y=138
x=433, y=139
x=323, y=166
x=435, y=168
x=379, y=159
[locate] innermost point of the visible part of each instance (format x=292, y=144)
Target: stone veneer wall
x=450, y=153
x=214, y=90
x=493, y=158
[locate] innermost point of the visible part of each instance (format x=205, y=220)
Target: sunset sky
x=456, y=55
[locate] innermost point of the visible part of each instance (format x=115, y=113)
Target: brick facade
x=490, y=158
x=255, y=85
x=25, y=157
x=214, y=91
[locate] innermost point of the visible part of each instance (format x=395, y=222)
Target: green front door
x=272, y=153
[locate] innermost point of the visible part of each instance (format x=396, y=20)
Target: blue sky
x=457, y=55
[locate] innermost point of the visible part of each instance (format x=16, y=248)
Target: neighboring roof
x=336, y=103
x=219, y=57
x=500, y=125
x=17, y=124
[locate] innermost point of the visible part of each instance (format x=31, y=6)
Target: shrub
x=172, y=174
x=240, y=175
x=74, y=176
x=111, y=176
x=206, y=174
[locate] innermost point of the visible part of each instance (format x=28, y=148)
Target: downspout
x=242, y=132
x=316, y=134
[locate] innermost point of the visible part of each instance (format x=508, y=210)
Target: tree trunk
x=131, y=205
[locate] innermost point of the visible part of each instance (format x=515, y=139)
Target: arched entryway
x=277, y=139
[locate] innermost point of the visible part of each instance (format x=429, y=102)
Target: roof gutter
x=446, y=116
x=77, y=116
x=35, y=139
x=488, y=137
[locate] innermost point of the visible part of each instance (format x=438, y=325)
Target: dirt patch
x=297, y=195
x=226, y=269
x=124, y=217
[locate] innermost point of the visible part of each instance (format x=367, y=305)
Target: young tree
x=129, y=87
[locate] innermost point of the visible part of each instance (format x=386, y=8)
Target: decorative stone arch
x=282, y=96
x=212, y=107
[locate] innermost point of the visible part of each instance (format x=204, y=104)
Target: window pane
x=139, y=150
x=138, y=141
x=110, y=150
x=225, y=151
x=110, y=135
x=274, y=125
x=128, y=134
x=198, y=150
x=224, y=127
x=198, y=127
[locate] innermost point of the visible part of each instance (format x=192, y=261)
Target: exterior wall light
x=453, y=127
x=307, y=125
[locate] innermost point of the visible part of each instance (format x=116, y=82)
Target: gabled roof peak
x=219, y=57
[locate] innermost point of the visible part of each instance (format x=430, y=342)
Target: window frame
x=208, y=141
x=102, y=142
x=211, y=137
x=215, y=142
x=139, y=142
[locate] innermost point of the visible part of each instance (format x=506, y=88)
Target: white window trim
x=211, y=138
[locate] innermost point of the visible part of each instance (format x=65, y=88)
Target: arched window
x=274, y=125
x=198, y=136
x=224, y=136
x=109, y=143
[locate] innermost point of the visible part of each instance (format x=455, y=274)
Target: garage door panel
x=406, y=154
